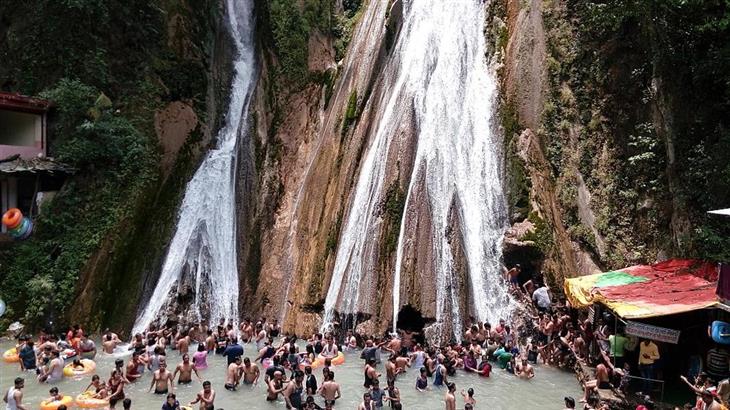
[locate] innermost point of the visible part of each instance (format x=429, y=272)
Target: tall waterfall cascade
x=443, y=79
x=202, y=253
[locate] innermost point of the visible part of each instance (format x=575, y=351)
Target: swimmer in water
x=449, y=398
x=233, y=374
x=186, y=370
x=251, y=372
x=109, y=344
x=276, y=385
x=206, y=397
x=162, y=380
x=469, y=397
x=524, y=370
x=330, y=390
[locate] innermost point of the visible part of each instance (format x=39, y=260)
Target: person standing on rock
x=513, y=276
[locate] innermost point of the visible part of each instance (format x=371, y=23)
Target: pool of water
x=500, y=391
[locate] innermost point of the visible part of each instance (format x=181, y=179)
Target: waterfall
x=444, y=80
x=202, y=253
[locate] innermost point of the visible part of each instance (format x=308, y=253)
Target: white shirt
x=541, y=297
x=12, y=405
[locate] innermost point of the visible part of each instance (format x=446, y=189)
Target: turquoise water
x=500, y=391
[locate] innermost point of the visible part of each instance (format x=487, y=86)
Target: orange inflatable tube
x=11, y=356
x=12, y=218
x=336, y=361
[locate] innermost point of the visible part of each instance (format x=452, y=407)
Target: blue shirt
x=27, y=355
x=166, y=406
x=233, y=352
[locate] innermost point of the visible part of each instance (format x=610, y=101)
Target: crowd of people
x=289, y=368
x=301, y=373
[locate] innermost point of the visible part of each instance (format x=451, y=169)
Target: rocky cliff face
x=128, y=263
x=590, y=109
x=321, y=134
x=611, y=153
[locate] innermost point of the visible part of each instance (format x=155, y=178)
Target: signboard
x=660, y=334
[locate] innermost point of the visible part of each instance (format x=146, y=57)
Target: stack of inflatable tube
x=19, y=227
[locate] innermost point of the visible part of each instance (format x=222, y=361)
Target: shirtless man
x=109, y=344
x=469, y=397
x=330, y=390
x=449, y=398
x=162, y=380
x=513, y=275
x=133, y=372
x=275, y=386
x=600, y=382
x=469, y=335
x=183, y=343
x=391, y=370
x=401, y=362
x=251, y=372
x=394, y=345
x=367, y=403
x=206, y=397
x=233, y=375
x=524, y=370
x=246, y=331
x=260, y=336
x=186, y=370
x=408, y=341
x=210, y=341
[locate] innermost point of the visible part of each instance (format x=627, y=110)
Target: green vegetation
x=107, y=66
x=292, y=22
x=114, y=163
x=393, y=206
x=542, y=234
x=351, y=112
x=344, y=25
x=637, y=101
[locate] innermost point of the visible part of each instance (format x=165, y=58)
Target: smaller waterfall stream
x=202, y=253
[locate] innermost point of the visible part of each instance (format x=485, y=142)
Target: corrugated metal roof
x=15, y=164
x=18, y=102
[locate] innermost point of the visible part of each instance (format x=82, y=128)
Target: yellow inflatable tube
x=53, y=405
x=336, y=361
x=11, y=356
x=86, y=400
x=70, y=371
